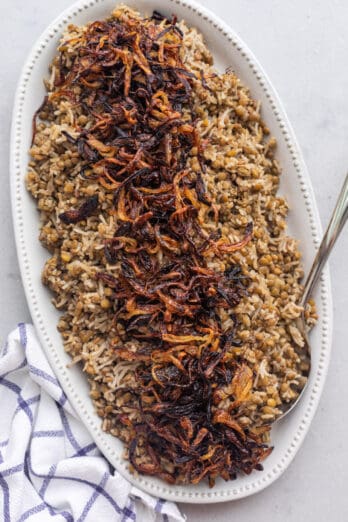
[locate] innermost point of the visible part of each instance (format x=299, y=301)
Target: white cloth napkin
x=49, y=466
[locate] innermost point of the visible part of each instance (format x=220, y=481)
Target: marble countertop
x=303, y=46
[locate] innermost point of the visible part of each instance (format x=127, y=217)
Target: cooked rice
x=242, y=178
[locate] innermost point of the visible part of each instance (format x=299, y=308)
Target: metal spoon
x=337, y=221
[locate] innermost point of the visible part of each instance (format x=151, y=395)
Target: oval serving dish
x=303, y=223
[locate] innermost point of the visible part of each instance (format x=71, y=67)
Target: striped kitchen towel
x=49, y=466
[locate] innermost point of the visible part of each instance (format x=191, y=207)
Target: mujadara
x=156, y=182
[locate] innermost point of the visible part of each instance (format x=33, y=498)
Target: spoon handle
x=337, y=221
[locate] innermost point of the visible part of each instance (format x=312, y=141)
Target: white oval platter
x=303, y=223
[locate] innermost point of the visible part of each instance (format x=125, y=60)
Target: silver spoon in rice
x=337, y=221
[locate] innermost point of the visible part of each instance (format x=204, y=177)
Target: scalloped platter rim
x=304, y=223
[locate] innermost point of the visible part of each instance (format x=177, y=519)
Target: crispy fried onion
x=136, y=92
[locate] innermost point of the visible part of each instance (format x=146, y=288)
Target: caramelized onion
x=167, y=301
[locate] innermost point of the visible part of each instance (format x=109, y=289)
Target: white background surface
x=303, y=46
